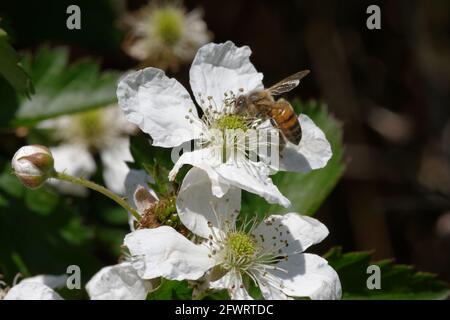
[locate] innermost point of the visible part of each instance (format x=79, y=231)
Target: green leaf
x=116, y=215
x=43, y=202
x=397, y=282
x=306, y=191
x=218, y=295
x=11, y=69
x=111, y=239
x=172, y=290
x=155, y=161
x=62, y=88
x=143, y=152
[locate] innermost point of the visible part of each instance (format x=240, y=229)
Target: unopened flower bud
x=33, y=165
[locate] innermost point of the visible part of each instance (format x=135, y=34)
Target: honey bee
x=262, y=105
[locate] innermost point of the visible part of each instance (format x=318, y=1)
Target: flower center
x=87, y=127
x=168, y=25
x=240, y=250
x=89, y=123
x=229, y=136
x=234, y=137
x=231, y=122
x=241, y=244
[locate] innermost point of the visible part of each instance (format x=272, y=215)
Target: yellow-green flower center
x=241, y=245
x=168, y=25
x=89, y=123
x=88, y=127
x=231, y=122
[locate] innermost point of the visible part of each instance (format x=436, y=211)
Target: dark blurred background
x=389, y=88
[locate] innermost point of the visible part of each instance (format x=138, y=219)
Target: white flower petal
x=115, y=169
x=268, y=290
x=118, y=282
x=219, y=68
x=232, y=281
x=252, y=177
x=159, y=106
x=32, y=291
x=143, y=199
x=196, y=205
x=75, y=160
x=134, y=179
x=195, y=34
x=296, y=231
x=50, y=281
x=309, y=275
x=313, y=152
x=166, y=253
x=204, y=160
x=114, y=115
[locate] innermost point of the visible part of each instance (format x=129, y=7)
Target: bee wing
x=288, y=83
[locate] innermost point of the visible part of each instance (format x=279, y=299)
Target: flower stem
x=94, y=186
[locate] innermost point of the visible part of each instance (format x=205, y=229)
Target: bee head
x=241, y=102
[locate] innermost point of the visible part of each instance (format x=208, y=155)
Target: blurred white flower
x=163, y=108
x=165, y=35
x=104, y=131
x=37, y=288
x=33, y=165
x=118, y=282
x=270, y=254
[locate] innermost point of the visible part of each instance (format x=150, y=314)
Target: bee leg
x=281, y=138
x=281, y=145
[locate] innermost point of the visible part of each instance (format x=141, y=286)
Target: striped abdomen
x=286, y=120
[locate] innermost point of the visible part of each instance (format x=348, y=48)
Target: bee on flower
x=220, y=74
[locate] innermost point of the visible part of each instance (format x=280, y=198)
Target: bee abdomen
x=294, y=134
x=288, y=123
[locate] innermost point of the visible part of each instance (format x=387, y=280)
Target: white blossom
x=118, y=282
x=165, y=35
x=271, y=253
x=37, y=288
x=104, y=131
x=163, y=108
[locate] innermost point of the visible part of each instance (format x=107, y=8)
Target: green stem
x=91, y=185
